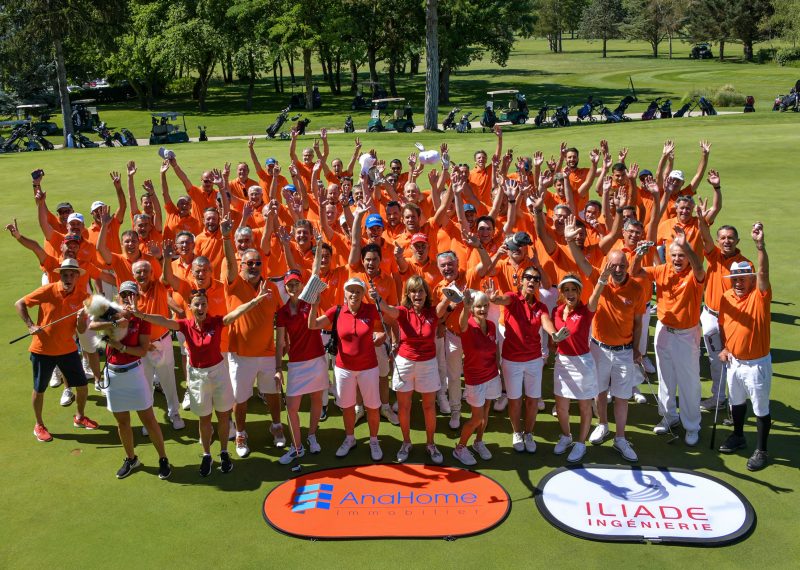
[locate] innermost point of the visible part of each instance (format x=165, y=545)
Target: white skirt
x=575, y=377
x=307, y=376
x=128, y=391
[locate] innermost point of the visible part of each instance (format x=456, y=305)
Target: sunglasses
x=196, y=292
x=127, y=294
x=252, y=263
x=207, y=180
x=529, y=277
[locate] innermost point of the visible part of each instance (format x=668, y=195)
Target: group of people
x=483, y=275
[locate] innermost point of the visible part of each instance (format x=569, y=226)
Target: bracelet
x=620, y=210
x=535, y=211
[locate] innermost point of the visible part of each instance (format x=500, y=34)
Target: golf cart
x=516, y=112
x=298, y=100
x=701, y=51
x=84, y=118
x=44, y=126
x=401, y=119
x=360, y=102
x=163, y=132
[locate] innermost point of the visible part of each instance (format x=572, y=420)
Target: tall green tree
x=646, y=20
x=747, y=23
x=601, y=20
x=707, y=21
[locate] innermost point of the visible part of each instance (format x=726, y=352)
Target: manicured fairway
x=62, y=506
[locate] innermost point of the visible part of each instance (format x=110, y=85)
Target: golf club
x=389, y=351
x=296, y=466
x=720, y=388
x=672, y=436
x=26, y=335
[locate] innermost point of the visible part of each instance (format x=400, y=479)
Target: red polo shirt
x=523, y=321
x=417, y=333
x=578, y=324
x=480, y=352
x=304, y=343
x=203, y=343
x=356, y=350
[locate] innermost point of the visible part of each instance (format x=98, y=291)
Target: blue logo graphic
x=316, y=496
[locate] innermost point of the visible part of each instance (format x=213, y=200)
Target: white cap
x=677, y=174
x=354, y=281
x=740, y=269
x=570, y=279
x=75, y=216
x=96, y=204
x=366, y=161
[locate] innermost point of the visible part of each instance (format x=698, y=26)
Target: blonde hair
x=415, y=283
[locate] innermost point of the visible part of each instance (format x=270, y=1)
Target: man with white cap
x=675, y=178
x=53, y=344
x=744, y=323
x=116, y=221
x=679, y=289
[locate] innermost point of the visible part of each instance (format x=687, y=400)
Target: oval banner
x=638, y=504
x=387, y=501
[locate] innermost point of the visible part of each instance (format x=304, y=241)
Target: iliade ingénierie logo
x=387, y=501
x=638, y=504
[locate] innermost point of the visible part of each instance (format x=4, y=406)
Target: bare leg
x=485, y=422
x=206, y=433
x=602, y=407
x=531, y=411
x=404, y=414
x=562, y=406
x=514, y=412
x=293, y=415
x=274, y=405
x=223, y=429
x=475, y=420
x=148, y=418
x=620, y=416
x=37, y=399
x=349, y=418
x=125, y=432
x=374, y=421
x=586, y=419
x=81, y=394
x=240, y=416
x=315, y=411
x=429, y=413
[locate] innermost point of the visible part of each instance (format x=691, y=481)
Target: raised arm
x=254, y=157
x=512, y=190
x=355, y=237
x=25, y=242
x=131, y=171
x=318, y=322
x=168, y=203
x=356, y=154
x=716, y=205
x=157, y=320
x=264, y=292
x=158, y=220
x=122, y=204
x=598, y=288
x=225, y=227
x=102, y=237
x=571, y=231
x=705, y=149
x=762, y=277
x=293, y=146
x=463, y=320
x=694, y=261
x=41, y=210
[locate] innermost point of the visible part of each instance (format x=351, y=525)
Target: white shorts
x=420, y=376
x=307, y=376
x=476, y=395
x=575, y=377
x=249, y=370
x=209, y=389
x=616, y=371
x=128, y=391
x=89, y=341
x=523, y=375
x=383, y=361
x=367, y=382
x=750, y=379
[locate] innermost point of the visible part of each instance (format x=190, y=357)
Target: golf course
x=63, y=507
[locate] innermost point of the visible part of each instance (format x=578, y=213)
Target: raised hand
x=216, y=179
x=116, y=178
x=679, y=238
x=357, y=144
x=623, y=154
x=604, y=275
x=594, y=156
x=468, y=299
x=251, y=142
x=292, y=169
x=633, y=172
x=563, y=149
x=607, y=161
x=131, y=168
x=247, y=210
x=164, y=166
x=606, y=184
x=148, y=187
x=168, y=248
x=651, y=186
x=13, y=229
x=226, y=170
x=264, y=291
x=705, y=147
x=470, y=239
x=604, y=147
x=546, y=179
x=511, y=189
x=412, y=160
x=757, y=234
x=153, y=249
x=498, y=131
x=713, y=178
x=323, y=133
x=284, y=236
x=551, y=164
x=538, y=158
x=571, y=229
x=226, y=225
x=669, y=147
x=105, y=215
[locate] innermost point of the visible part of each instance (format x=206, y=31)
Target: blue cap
x=469, y=208
x=269, y=161
x=374, y=220
x=291, y=188
x=643, y=173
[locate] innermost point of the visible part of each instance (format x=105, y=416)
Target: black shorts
x=69, y=364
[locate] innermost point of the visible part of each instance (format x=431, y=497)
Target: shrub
x=788, y=56
x=180, y=85
x=765, y=55
x=725, y=96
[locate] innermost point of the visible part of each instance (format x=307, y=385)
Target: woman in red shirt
x=208, y=381
x=307, y=370
x=356, y=366
x=524, y=316
x=479, y=340
x=127, y=389
x=574, y=373
x=416, y=368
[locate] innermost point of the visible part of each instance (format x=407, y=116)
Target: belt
x=615, y=348
x=166, y=334
x=677, y=331
x=123, y=367
x=713, y=312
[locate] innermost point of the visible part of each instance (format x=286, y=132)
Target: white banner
x=603, y=502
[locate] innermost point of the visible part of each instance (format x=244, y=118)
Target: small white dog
x=101, y=310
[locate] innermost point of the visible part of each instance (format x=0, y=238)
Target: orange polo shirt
x=122, y=267
x=54, y=304
x=745, y=323
x=691, y=229
x=252, y=334
x=718, y=268
x=210, y=246
x=112, y=235
x=481, y=182
x=617, y=310
x=153, y=301
x=468, y=278
x=200, y=201
x=174, y=224
x=677, y=295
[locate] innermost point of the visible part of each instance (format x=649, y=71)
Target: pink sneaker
x=84, y=423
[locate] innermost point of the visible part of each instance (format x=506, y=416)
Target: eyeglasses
x=207, y=180
x=530, y=276
x=252, y=263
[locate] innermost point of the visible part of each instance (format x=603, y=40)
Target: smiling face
x=184, y=245
x=142, y=272
x=411, y=192
x=448, y=267
x=372, y=263
x=374, y=234
x=130, y=243
x=480, y=159
x=199, y=307
x=250, y=267
x=572, y=159
x=480, y=309
x=393, y=215
x=293, y=288
x=571, y=294
x=743, y=285
x=727, y=240
x=128, y=299
x=242, y=172
x=684, y=210
x=308, y=156
x=211, y=221
x=302, y=235
x=485, y=232
x=256, y=196
x=410, y=220
x=678, y=258
x=337, y=166
x=632, y=235
x=420, y=251
x=201, y=272
x=560, y=216
x=619, y=266
x=591, y=213
x=417, y=296
x=143, y=227
x=63, y=214
x=207, y=181
x=353, y=296
x=184, y=205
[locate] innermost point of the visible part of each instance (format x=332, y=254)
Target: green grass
x=63, y=506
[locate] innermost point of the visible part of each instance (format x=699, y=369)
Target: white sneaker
x=277, y=435
x=186, y=401
x=480, y=448
x=388, y=413
x=67, y=397
x=464, y=456
x=242, y=449
x=375, y=449
x=709, y=404
x=664, y=426
x=313, y=444
x=57, y=378
x=540, y=405
x=692, y=437
x=555, y=411
x=599, y=434
x=177, y=421
x=625, y=449
x=359, y=413
x=577, y=453
x=395, y=407
x=649, y=367
x=348, y=444
x=444, y=403
x=530, y=444
x=501, y=403
x=435, y=454
x=639, y=398
x=405, y=451
x=563, y=443
x=455, y=420
x=290, y=455
x=518, y=442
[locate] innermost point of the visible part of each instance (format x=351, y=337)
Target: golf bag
x=449, y=121
x=585, y=113
x=301, y=125
x=541, y=117
x=104, y=133
x=652, y=110
x=464, y=125
x=489, y=119
x=609, y=116
x=666, y=109
x=125, y=137
x=786, y=102
x=623, y=106
x=560, y=117
x=203, y=136
x=750, y=104
x=273, y=129
x=349, y=127
x=685, y=109
x=706, y=106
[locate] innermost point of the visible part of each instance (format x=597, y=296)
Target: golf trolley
x=587, y=110
x=658, y=108
x=450, y=121
x=464, y=125
x=686, y=109
x=349, y=127
x=23, y=138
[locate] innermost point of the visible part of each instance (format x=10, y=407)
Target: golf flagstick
x=26, y=335
x=673, y=437
x=723, y=378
